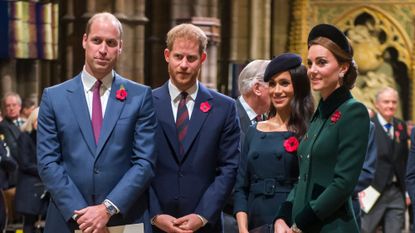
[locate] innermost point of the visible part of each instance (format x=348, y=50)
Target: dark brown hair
x=342, y=57
x=302, y=105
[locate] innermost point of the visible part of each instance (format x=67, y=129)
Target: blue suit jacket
x=79, y=173
x=201, y=181
x=410, y=172
x=368, y=169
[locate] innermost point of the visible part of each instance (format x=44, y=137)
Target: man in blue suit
x=410, y=176
x=197, y=142
x=96, y=136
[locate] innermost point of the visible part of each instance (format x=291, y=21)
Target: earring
x=341, y=75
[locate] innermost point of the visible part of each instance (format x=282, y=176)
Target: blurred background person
x=254, y=101
x=269, y=163
x=7, y=165
x=30, y=199
x=28, y=105
x=389, y=181
x=10, y=127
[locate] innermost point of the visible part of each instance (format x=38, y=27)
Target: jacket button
x=96, y=171
x=308, y=156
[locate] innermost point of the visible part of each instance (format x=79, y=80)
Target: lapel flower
x=291, y=144
x=205, y=106
x=399, y=127
x=121, y=93
x=397, y=136
x=335, y=116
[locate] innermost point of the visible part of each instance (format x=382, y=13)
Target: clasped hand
x=186, y=224
x=281, y=227
x=93, y=219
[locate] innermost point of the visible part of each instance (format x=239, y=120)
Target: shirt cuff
x=116, y=208
x=204, y=220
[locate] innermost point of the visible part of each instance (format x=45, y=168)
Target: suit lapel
x=198, y=117
x=112, y=112
x=245, y=122
x=14, y=130
x=165, y=117
x=387, y=143
x=77, y=100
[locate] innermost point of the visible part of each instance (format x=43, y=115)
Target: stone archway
x=383, y=54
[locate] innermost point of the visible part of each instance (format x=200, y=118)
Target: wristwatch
x=111, y=210
x=295, y=229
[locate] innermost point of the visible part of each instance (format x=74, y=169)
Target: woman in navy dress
x=30, y=191
x=269, y=164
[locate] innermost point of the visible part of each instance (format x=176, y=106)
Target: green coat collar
x=326, y=107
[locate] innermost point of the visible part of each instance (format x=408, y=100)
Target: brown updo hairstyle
x=342, y=57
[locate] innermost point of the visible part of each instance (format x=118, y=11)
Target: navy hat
x=330, y=32
x=283, y=62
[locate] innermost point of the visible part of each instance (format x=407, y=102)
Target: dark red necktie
x=258, y=118
x=96, y=110
x=182, y=121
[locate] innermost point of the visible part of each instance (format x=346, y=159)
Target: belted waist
x=270, y=186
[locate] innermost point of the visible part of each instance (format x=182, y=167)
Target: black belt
x=270, y=186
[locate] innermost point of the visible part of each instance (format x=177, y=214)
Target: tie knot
x=388, y=126
x=258, y=118
x=184, y=95
x=97, y=84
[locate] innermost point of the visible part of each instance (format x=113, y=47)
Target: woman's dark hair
x=302, y=105
x=342, y=57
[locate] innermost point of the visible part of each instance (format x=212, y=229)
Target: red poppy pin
x=121, y=93
x=291, y=144
x=399, y=127
x=205, y=106
x=335, y=116
x=398, y=136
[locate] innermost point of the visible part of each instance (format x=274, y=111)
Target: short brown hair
x=107, y=16
x=187, y=31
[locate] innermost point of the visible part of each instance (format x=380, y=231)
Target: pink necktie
x=96, y=110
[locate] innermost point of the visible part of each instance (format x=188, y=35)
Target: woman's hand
x=281, y=227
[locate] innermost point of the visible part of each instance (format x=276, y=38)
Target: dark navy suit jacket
x=201, y=180
x=79, y=173
x=410, y=173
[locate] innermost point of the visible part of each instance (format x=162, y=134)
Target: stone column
x=239, y=40
x=131, y=61
x=90, y=9
x=68, y=21
x=260, y=29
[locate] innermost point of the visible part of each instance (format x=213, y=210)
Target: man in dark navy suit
x=7, y=165
x=389, y=180
x=197, y=142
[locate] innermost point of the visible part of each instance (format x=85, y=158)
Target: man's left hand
x=92, y=218
x=189, y=222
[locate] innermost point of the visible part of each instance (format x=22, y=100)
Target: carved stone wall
x=382, y=35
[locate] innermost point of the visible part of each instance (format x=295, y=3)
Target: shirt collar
x=382, y=120
x=251, y=113
x=338, y=97
x=88, y=80
x=175, y=92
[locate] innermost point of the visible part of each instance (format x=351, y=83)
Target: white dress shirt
x=383, y=122
x=175, y=98
x=88, y=82
x=251, y=113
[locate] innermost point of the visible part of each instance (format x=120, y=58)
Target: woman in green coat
x=332, y=152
